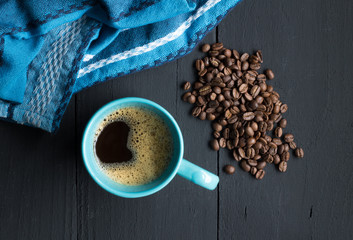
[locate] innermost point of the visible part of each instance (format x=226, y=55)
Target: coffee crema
x=133, y=146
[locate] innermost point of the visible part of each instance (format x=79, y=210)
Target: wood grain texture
x=308, y=46
x=46, y=193
x=38, y=181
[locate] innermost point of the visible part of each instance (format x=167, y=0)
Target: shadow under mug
x=177, y=165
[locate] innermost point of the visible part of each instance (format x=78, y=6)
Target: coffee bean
x=259, y=55
x=251, y=141
x=285, y=156
x=216, y=134
x=270, y=75
x=261, y=77
x=241, y=152
x=243, y=88
x=278, y=132
x=227, y=53
x=299, y=152
x=286, y=147
x=227, y=95
x=186, y=85
x=202, y=72
x=198, y=85
x=288, y=137
x=236, y=54
x=277, y=141
x=230, y=144
x=293, y=145
x=229, y=169
x=244, y=57
x=206, y=48
x=213, y=53
x=276, y=159
x=236, y=156
x=226, y=104
x=209, y=77
x=200, y=65
x=245, y=166
x=213, y=104
x=223, y=122
x=201, y=101
x=217, y=46
x=262, y=126
x=255, y=66
x=249, y=131
x=253, y=170
x=217, y=127
x=258, y=145
x=282, y=166
x=186, y=96
x=205, y=90
x=226, y=132
x=202, y=116
x=254, y=126
x=196, y=111
x=214, y=144
x=272, y=150
x=284, y=108
x=248, y=116
x=260, y=174
x=191, y=99
x=261, y=165
x=222, y=142
x=280, y=149
x=232, y=119
x=210, y=116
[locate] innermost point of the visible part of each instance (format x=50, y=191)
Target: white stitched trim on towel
x=149, y=46
x=87, y=57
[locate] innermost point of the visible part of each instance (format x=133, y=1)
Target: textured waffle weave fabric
x=50, y=50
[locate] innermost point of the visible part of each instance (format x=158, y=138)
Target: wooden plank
x=181, y=210
x=308, y=45
x=38, y=181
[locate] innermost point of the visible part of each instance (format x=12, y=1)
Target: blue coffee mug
x=177, y=165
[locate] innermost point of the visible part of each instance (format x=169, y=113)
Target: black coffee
x=133, y=146
x=111, y=146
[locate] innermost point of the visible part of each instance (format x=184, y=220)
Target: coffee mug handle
x=198, y=175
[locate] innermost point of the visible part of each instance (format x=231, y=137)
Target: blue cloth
x=50, y=50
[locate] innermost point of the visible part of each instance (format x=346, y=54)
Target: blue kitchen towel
x=50, y=50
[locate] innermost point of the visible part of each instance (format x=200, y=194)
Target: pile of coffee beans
x=243, y=108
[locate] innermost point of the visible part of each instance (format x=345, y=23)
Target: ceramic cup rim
x=99, y=116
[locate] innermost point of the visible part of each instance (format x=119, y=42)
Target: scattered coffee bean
x=276, y=159
x=191, y=99
x=202, y=116
x=214, y=145
x=222, y=142
x=243, y=108
x=229, y=169
x=260, y=174
x=293, y=145
x=283, y=123
x=246, y=167
x=299, y=152
x=282, y=166
x=289, y=137
x=187, y=85
x=278, y=132
x=270, y=75
x=206, y=48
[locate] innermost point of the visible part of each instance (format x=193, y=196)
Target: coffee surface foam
x=150, y=142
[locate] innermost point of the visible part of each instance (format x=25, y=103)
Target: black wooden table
x=46, y=193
